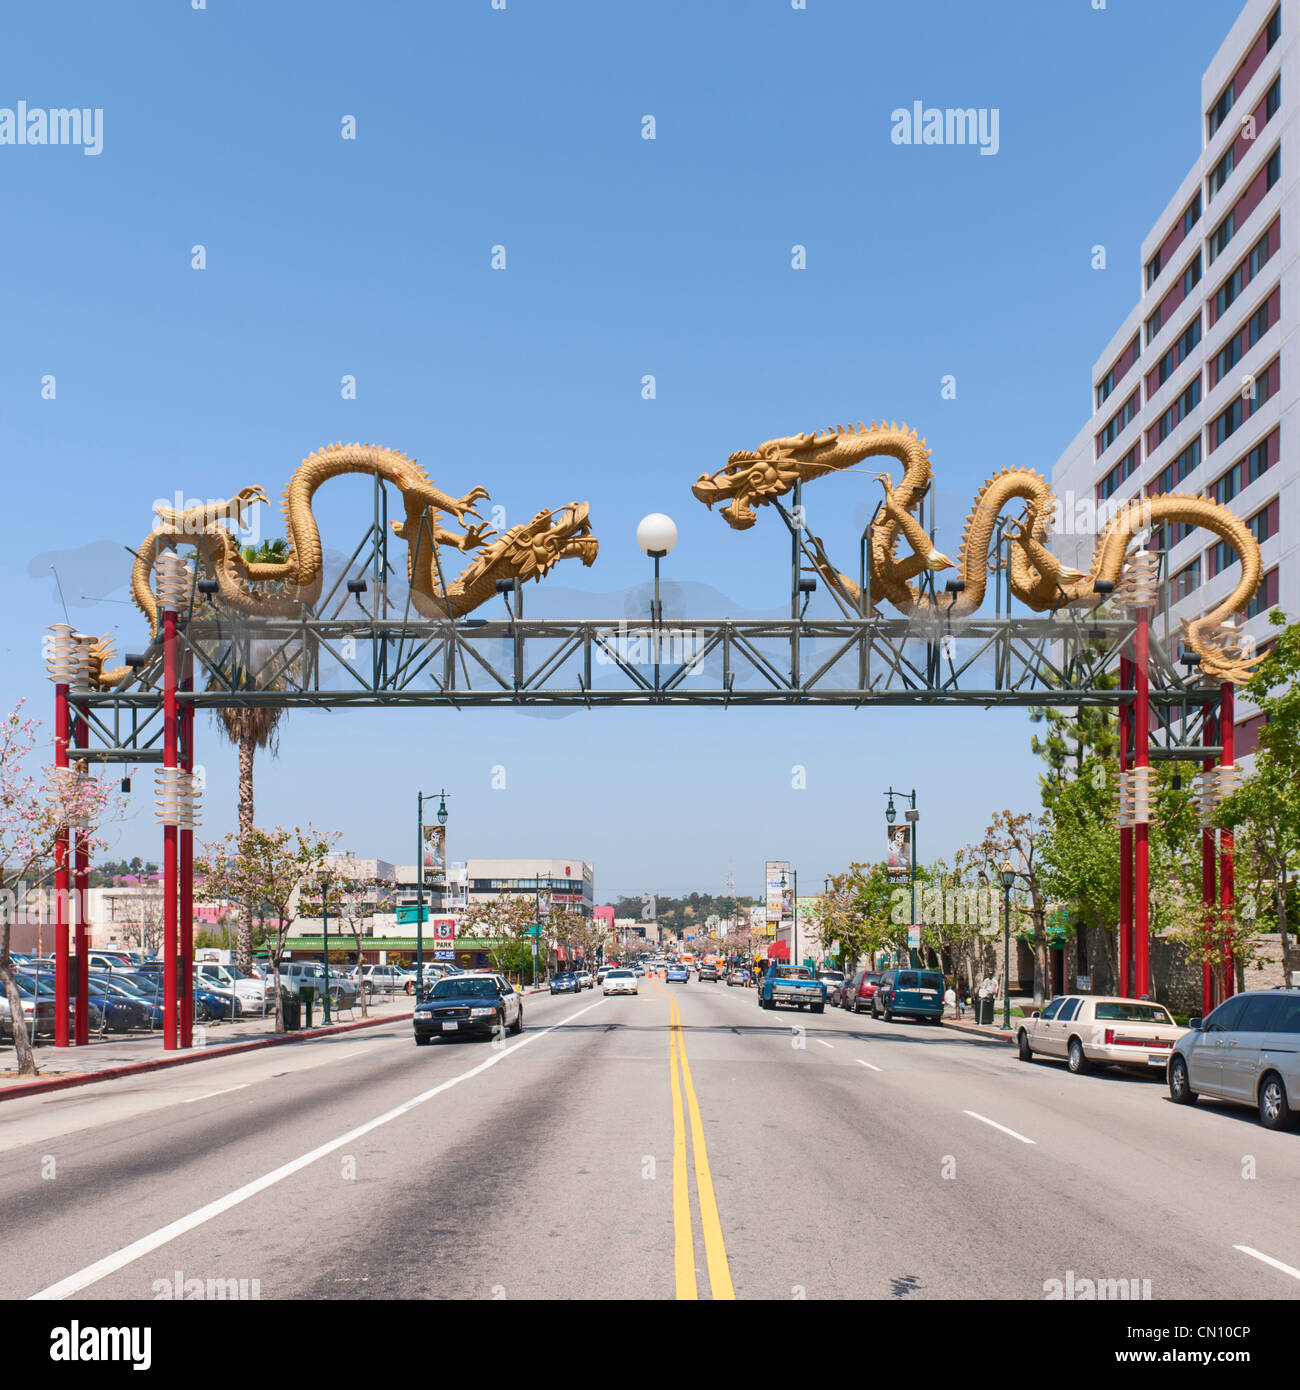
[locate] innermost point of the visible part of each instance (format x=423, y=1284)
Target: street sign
x=913, y=938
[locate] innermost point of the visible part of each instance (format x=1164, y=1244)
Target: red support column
x=1208, y=885
x=81, y=897
x=187, y=869
x=1141, y=735
x=62, y=995
x=1227, y=884
x=1124, y=986
x=170, y=935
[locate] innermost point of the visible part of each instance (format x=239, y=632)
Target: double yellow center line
x=715, y=1250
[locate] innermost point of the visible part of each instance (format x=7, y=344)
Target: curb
x=974, y=1030
x=61, y=1083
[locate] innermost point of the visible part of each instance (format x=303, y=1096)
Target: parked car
x=296, y=974
x=1084, y=1030
x=857, y=993
x=479, y=1004
x=255, y=996
x=39, y=1013
x=834, y=982
x=384, y=979
x=621, y=982
x=565, y=983
x=1247, y=1051
x=677, y=973
x=212, y=1006
x=433, y=972
x=912, y=993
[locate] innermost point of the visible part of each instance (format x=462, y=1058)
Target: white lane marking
x=984, y=1119
x=1268, y=1260
x=861, y=1063
x=824, y=1044
x=110, y=1264
x=224, y=1092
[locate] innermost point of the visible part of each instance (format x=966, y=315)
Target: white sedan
x=1085, y=1030
x=621, y=982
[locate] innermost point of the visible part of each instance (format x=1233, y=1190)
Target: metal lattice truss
x=362, y=646
x=517, y=662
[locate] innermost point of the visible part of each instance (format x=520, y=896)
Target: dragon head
x=753, y=477
x=533, y=550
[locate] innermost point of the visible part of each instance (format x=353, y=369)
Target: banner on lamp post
x=898, y=854
x=435, y=853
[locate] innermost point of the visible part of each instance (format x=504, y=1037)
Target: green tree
x=272, y=870
x=857, y=911
x=1075, y=736
x=1267, y=805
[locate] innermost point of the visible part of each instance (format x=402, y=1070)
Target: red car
x=858, y=993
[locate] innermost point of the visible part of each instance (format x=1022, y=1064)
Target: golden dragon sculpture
x=753, y=478
x=284, y=589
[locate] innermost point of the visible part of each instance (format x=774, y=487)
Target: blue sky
x=625, y=257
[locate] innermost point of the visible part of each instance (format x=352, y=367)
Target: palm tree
x=249, y=728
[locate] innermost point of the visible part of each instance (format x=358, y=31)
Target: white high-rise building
x=1197, y=389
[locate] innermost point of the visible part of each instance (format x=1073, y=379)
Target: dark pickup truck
x=792, y=985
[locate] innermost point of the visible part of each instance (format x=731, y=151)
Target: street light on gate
x=419, y=879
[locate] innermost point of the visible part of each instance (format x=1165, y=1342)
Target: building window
x=1218, y=113
x=1105, y=386
x=1274, y=27
x=1186, y=581
x=1274, y=171
x=1153, y=326
x=1244, y=472
x=1177, y=470
x=1259, y=323
x=1274, y=98
x=1193, y=213
x=1220, y=173
x=1265, y=596
x=1122, y=471
x=1153, y=270
x=1263, y=524
x=1169, y=534
x=1222, y=235
x=1116, y=423
x=1259, y=255
x=1192, y=275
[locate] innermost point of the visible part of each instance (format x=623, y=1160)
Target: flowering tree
x=272, y=869
x=502, y=922
x=37, y=808
x=350, y=900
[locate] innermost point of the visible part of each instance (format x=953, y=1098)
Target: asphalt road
x=677, y=1143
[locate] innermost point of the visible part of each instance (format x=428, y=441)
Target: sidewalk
x=128, y=1054
x=993, y=1032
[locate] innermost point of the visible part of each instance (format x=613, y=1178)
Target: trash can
x=292, y=1012
x=306, y=996
x=983, y=1008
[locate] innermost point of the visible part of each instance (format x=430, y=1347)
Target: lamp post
x=911, y=816
x=656, y=534
x=1008, y=875
x=794, y=914
x=325, y=940
x=419, y=881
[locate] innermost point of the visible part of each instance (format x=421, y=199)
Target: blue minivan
x=915, y=993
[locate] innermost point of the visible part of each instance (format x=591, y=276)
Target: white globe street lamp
x=656, y=534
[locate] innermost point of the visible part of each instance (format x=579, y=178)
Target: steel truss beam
x=363, y=662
